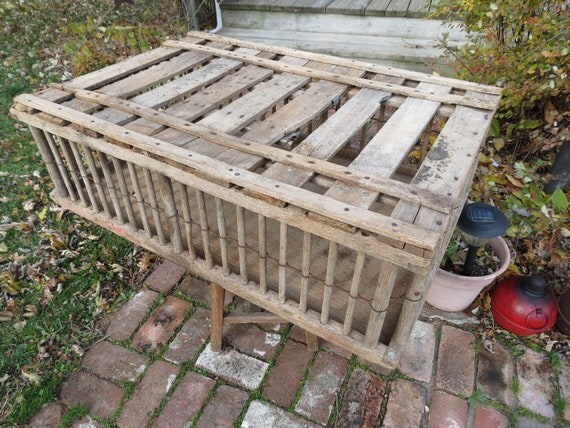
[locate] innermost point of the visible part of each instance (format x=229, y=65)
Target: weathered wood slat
x=365, y=181
x=306, y=266
x=299, y=112
x=262, y=252
x=94, y=170
x=461, y=139
x=246, y=109
x=223, y=235
x=331, y=135
x=171, y=211
x=377, y=7
x=213, y=85
x=111, y=188
x=350, y=7
x=360, y=65
x=353, y=295
x=73, y=189
x=282, y=261
x=333, y=77
x=398, y=8
x=203, y=102
x=241, y=244
x=300, y=5
x=329, y=282
x=143, y=80
x=74, y=159
x=389, y=147
x=418, y=8
x=243, y=111
x=160, y=96
x=302, y=110
x=114, y=72
x=255, y=317
x=49, y=161
x=257, y=4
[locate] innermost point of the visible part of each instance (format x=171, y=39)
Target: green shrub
x=521, y=46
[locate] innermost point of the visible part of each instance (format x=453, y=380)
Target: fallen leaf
x=42, y=214
x=77, y=349
x=32, y=377
x=3, y=247
x=28, y=205
x=514, y=181
x=6, y=316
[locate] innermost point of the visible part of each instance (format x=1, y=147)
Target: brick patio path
x=155, y=368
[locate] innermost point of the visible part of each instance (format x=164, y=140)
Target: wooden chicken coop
x=323, y=190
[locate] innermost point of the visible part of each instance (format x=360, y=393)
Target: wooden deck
x=387, y=32
x=409, y=8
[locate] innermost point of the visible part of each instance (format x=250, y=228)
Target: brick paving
x=154, y=368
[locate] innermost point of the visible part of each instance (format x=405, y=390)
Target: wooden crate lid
x=218, y=108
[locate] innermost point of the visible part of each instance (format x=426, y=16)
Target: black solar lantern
x=480, y=222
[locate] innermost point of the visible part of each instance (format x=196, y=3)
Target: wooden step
x=330, y=23
x=410, y=8
x=404, y=42
x=416, y=54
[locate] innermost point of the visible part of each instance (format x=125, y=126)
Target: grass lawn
x=59, y=274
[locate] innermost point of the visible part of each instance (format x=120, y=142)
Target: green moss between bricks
x=74, y=413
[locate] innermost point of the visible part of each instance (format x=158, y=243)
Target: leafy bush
x=521, y=46
x=524, y=48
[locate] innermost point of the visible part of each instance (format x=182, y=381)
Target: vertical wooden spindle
x=282, y=261
x=154, y=206
x=49, y=161
x=329, y=282
x=223, y=235
x=305, y=270
x=94, y=169
x=109, y=179
x=411, y=309
x=85, y=176
x=139, y=198
x=118, y=165
x=75, y=189
x=354, y=286
x=384, y=287
x=240, y=217
x=187, y=215
x=203, y=216
x=171, y=213
x=262, y=239
x=71, y=190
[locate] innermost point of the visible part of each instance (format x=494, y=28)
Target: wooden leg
x=312, y=341
x=217, y=317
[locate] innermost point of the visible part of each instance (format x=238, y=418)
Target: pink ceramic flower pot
x=452, y=292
